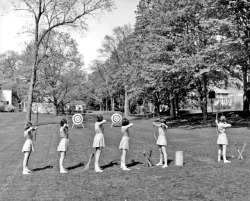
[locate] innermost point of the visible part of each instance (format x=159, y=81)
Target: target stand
x=77, y=119
x=116, y=119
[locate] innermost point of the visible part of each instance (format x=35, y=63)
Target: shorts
x=161, y=140
x=28, y=146
x=63, y=145
x=124, y=144
x=222, y=139
x=98, y=140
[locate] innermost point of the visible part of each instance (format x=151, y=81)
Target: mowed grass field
x=201, y=177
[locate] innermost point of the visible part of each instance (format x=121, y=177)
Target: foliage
x=60, y=73
x=49, y=15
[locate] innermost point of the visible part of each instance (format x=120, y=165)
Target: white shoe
x=63, y=171
x=125, y=168
x=98, y=170
x=165, y=166
x=159, y=164
x=226, y=161
x=25, y=172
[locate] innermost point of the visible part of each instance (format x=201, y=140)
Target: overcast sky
x=11, y=27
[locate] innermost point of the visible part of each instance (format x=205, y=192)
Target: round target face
x=116, y=118
x=77, y=119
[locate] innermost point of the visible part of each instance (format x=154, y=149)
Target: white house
x=6, y=96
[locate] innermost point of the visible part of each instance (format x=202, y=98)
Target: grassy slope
x=201, y=178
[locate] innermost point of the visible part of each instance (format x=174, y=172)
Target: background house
x=5, y=96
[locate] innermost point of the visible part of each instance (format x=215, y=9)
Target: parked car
x=10, y=108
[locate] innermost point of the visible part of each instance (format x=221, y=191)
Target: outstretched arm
x=27, y=132
x=126, y=127
x=156, y=124
x=102, y=122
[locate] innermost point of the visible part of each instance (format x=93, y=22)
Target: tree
x=117, y=48
x=49, y=15
x=60, y=72
x=235, y=37
x=13, y=74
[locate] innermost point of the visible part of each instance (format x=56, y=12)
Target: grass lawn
x=201, y=177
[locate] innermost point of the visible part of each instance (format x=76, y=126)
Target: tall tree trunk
x=204, y=97
x=172, y=105
x=33, y=76
x=126, y=109
x=245, y=89
x=112, y=104
x=177, y=104
x=32, y=86
x=106, y=101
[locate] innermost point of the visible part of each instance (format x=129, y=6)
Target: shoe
x=63, y=171
x=159, y=164
x=25, y=172
x=98, y=170
x=125, y=168
x=165, y=166
x=226, y=161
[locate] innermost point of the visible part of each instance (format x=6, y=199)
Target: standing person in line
x=28, y=145
x=124, y=144
x=162, y=143
x=98, y=142
x=222, y=140
x=64, y=144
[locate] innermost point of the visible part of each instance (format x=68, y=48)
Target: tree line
x=176, y=51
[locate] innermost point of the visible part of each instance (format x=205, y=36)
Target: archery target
x=116, y=118
x=77, y=119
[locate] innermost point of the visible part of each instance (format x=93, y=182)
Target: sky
x=12, y=38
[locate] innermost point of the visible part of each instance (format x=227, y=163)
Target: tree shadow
x=76, y=166
x=111, y=164
x=133, y=163
x=43, y=168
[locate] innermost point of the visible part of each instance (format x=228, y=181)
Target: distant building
x=76, y=106
x=5, y=96
x=227, y=99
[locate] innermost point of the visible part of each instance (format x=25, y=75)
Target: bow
x=36, y=123
x=216, y=121
x=154, y=132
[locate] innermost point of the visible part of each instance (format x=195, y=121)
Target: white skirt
x=161, y=140
x=222, y=139
x=124, y=144
x=98, y=140
x=63, y=145
x=28, y=146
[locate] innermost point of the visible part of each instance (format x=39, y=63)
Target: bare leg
x=164, y=151
x=219, y=152
x=124, y=153
x=225, y=155
x=62, y=170
x=25, y=161
x=161, y=157
x=28, y=162
x=97, y=156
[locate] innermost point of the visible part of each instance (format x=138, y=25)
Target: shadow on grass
x=76, y=166
x=133, y=163
x=111, y=164
x=43, y=168
x=170, y=161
